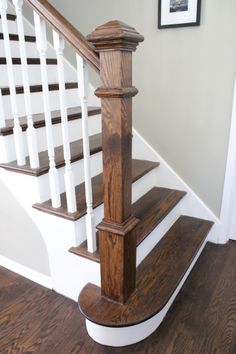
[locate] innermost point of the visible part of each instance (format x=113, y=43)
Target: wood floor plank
x=201, y=320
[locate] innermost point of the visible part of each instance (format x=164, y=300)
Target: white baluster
x=41, y=39
x=2, y=116
x=18, y=135
x=69, y=177
x=83, y=94
x=31, y=131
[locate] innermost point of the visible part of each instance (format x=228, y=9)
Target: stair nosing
x=30, y=61
x=181, y=194
x=92, y=111
x=15, y=37
x=38, y=88
x=96, y=290
x=12, y=166
x=10, y=17
x=44, y=207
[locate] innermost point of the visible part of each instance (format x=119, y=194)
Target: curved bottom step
x=123, y=336
x=112, y=324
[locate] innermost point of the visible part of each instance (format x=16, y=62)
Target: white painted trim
x=26, y=272
x=227, y=207
x=119, y=337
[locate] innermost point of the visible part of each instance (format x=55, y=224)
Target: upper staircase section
x=66, y=31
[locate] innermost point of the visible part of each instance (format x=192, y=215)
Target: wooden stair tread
x=76, y=149
x=15, y=37
x=10, y=17
x=38, y=88
x=158, y=276
x=139, y=169
x=150, y=209
x=30, y=61
x=39, y=120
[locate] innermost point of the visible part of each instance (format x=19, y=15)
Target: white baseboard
x=26, y=272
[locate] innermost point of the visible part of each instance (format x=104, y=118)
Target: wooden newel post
x=115, y=41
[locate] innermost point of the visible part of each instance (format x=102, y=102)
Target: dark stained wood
x=15, y=37
x=76, y=149
x=69, y=33
x=39, y=121
x=157, y=277
x=202, y=319
x=150, y=210
x=82, y=251
x=10, y=17
x=39, y=88
x=140, y=168
x=115, y=42
x=30, y=61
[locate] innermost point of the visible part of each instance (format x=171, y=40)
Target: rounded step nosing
x=128, y=335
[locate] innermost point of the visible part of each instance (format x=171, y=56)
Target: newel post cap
x=115, y=35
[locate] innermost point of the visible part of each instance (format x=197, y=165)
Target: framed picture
x=178, y=13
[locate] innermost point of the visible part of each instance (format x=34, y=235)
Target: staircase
x=71, y=158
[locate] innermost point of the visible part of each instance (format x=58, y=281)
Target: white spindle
x=18, y=135
x=41, y=39
x=83, y=94
x=31, y=131
x=2, y=116
x=69, y=177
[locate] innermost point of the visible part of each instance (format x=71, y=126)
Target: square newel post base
x=117, y=243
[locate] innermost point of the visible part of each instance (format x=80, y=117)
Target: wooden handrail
x=68, y=32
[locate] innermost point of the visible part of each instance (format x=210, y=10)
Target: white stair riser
x=139, y=188
x=12, y=27
x=31, y=50
x=37, y=102
x=34, y=75
x=75, y=133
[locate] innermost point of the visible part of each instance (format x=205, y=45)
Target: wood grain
x=150, y=210
x=202, y=319
x=116, y=239
x=157, y=277
x=65, y=29
x=39, y=121
x=139, y=169
x=76, y=148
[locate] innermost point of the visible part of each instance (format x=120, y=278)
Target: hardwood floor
x=201, y=321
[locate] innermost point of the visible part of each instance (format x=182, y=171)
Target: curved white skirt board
x=122, y=336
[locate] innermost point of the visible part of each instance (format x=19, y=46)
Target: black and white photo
x=178, y=13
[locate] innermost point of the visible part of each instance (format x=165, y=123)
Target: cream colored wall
x=20, y=239
x=185, y=77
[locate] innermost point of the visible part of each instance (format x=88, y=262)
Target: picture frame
x=178, y=13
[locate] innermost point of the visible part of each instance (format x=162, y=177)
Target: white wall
x=185, y=77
